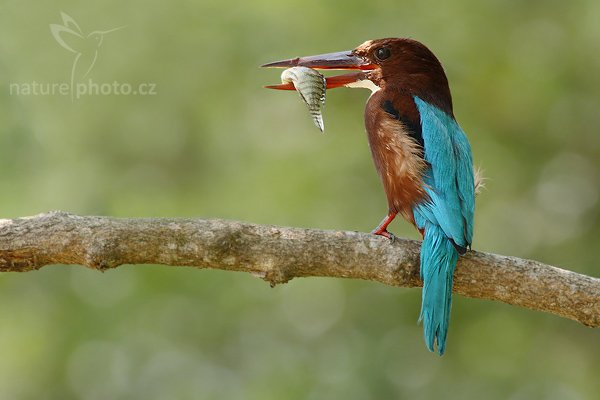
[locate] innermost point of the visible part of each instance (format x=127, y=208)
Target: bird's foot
x=385, y=233
x=381, y=229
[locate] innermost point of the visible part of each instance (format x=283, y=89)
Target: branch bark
x=278, y=254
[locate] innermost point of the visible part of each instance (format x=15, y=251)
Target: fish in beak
x=342, y=60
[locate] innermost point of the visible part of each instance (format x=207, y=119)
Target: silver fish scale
x=311, y=86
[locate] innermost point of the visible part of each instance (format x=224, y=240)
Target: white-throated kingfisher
x=422, y=156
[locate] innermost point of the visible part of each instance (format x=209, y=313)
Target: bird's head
x=97, y=37
x=382, y=64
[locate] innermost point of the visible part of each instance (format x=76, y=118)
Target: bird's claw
x=385, y=234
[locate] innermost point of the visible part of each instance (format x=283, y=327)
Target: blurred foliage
x=213, y=143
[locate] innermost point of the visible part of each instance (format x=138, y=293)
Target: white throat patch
x=364, y=84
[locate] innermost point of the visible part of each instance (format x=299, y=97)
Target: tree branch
x=278, y=254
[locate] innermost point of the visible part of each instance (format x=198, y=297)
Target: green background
x=213, y=144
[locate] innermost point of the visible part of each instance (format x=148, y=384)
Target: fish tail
x=317, y=119
x=438, y=261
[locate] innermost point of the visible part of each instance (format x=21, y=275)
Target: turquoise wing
x=449, y=177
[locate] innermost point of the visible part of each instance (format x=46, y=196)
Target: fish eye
x=382, y=53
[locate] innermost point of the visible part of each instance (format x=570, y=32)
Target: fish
x=311, y=86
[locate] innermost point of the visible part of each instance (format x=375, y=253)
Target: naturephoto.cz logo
x=84, y=49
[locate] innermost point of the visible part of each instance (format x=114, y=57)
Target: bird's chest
x=394, y=152
x=398, y=160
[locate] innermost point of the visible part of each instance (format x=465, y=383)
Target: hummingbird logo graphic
x=84, y=47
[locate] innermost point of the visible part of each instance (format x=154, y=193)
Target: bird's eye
x=382, y=53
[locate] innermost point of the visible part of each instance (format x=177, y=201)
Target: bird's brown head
x=408, y=66
x=396, y=64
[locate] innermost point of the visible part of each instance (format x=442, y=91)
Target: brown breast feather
x=398, y=159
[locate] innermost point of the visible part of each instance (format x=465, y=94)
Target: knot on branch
x=103, y=254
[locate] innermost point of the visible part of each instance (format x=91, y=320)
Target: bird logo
x=84, y=47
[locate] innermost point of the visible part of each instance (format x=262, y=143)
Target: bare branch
x=278, y=254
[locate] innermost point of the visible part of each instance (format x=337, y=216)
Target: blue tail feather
x=438, y=261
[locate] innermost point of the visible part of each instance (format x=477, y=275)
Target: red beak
x=340, y=60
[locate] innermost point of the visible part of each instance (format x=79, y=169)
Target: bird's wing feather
x=449, y=178
x=67, y=38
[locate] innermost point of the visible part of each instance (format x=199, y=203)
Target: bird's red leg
x=381, y=229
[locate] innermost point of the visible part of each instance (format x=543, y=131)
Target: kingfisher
x=421, y=154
